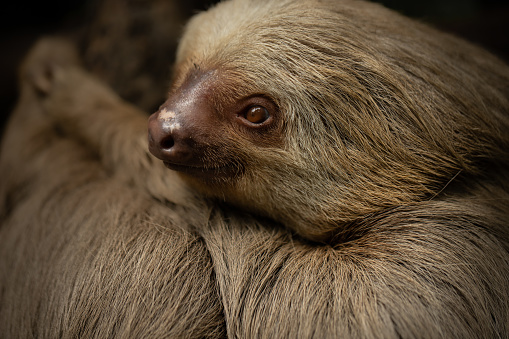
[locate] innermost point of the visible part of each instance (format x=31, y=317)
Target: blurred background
x=127, y=30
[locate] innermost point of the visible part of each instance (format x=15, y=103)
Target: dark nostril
x=167, y=143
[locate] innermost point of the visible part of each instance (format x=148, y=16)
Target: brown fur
x=100, y=240
x=85, y=255
x=377, y=111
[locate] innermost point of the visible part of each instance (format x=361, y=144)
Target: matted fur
x=98, y=239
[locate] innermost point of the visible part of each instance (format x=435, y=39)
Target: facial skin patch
x=166, y=115
x=168, y=118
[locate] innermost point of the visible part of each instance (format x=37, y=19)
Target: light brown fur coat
x=98, y=239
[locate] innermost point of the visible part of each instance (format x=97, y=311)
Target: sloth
x=318, y=125
x=341, y=172
x=320, y=113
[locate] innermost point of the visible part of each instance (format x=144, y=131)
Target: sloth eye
x=257, y=114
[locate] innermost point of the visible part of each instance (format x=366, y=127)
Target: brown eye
x=257, y=114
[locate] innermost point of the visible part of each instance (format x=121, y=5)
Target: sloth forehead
x=243, y=26
x=300, y=37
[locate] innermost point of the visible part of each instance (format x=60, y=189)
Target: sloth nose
x=168, y=140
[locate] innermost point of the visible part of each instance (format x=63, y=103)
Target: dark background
x=485, y=22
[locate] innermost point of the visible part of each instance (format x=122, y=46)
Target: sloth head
x=318, y=113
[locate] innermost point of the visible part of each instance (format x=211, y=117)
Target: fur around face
x=98, y=239
x=378, y=110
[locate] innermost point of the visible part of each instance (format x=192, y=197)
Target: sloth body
x=344, y=175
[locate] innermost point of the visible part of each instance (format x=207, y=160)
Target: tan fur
x=378, y=111
x=98, y=239
x=83, y=254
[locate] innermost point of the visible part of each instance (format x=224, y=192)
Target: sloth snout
x=168, y=141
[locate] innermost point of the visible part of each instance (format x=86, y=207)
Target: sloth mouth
x=205, y=172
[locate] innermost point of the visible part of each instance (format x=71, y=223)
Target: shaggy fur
x=85, y=255
x=98, y=239
x=377, y=111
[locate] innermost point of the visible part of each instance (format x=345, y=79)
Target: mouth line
x=202, y=171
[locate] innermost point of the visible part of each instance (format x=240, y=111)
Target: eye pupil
x=257, y=114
